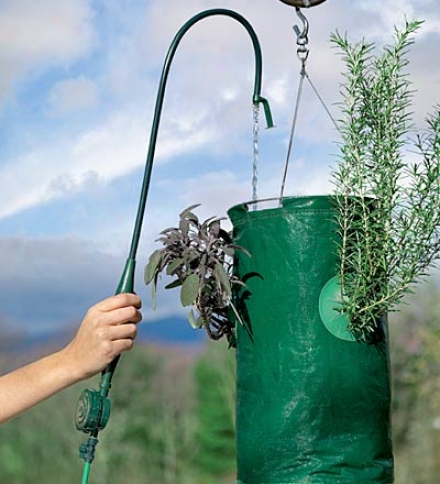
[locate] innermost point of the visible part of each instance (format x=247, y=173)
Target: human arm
x=107, y=330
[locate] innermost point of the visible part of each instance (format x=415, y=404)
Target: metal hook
x=302, y=36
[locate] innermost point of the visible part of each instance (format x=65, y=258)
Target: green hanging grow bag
x=311, y=407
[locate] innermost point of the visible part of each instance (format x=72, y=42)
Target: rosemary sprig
x=388, y=209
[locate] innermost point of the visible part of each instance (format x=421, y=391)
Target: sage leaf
x=200, y=322
x=175, y=283
x=173, y=266
x=192, y=320
x=230, y=251
x=188, y=210
x=223, y=278
x=151, y=267
x=189, y=291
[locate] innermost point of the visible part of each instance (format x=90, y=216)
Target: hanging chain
x=256, y=153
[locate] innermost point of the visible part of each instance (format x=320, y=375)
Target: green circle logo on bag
x=335, y=321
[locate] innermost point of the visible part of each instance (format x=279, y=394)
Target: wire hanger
x=302, y=41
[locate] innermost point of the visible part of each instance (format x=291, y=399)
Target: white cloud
x=71, y=95
x=207, y=103
x=394, y=13
x=41, y=34
x=109, y=150
x=218, y=191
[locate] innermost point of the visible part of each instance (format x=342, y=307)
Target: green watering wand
x=93, y=410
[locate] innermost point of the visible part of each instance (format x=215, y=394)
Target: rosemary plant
x=388, y=208
x=199, y=255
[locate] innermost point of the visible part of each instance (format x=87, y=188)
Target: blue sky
x=77, y=91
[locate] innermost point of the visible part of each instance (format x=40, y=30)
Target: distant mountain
x=167, y=331
x=172, y=330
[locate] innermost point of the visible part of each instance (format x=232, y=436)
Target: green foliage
x=151, y=436
x=215, y=411
x=36, y=446
x=389, y=210
x=199, y=255
x=165, y=399
x=415, y=356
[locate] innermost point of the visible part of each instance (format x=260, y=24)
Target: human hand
x=107, y=330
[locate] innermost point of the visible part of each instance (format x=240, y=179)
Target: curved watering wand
x=93, y=410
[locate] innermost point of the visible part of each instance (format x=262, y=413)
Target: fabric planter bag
x=311, y=407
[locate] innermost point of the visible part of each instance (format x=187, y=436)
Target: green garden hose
x=86, y=472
